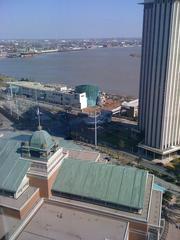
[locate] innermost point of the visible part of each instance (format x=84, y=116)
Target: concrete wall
x=30, y=204
x=23, y=211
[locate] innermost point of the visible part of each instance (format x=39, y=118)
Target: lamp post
x=11, y=99
x=95, y=128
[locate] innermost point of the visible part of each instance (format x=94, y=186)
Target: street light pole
x=11, y=99
x=17, y=109
x=95, y=127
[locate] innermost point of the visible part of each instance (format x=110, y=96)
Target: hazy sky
x=70, y=18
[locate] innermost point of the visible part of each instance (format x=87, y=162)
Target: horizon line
x=75, y=38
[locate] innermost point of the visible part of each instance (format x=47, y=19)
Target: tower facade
x=159, y=94
x=45, y=157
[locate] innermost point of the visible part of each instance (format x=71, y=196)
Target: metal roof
x=124, y=186
x=12, y=169
x=41, y=140
x=38, y=86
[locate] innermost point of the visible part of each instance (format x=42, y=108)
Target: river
x=112, y=69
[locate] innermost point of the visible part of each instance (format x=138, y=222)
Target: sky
x=63, y=19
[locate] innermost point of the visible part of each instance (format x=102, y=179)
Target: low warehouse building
x=123, y=192
x=58, y=94
x=49, y=189
x=94, y=182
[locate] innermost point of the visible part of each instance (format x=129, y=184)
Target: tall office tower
x=159, y=104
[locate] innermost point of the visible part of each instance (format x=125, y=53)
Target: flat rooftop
x=103, y=183
x=13, y=203
x=58, y=222
x=155, y=210
x=84, y=155
x=133, y=103
x=8, y=224
x=37, y=85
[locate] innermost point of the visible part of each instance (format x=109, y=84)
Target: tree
x=168, y=196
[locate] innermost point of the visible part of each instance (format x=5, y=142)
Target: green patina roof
x=41, y=140
x=12, y=169
x=114, y=184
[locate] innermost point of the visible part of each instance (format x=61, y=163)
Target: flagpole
x=39, y=120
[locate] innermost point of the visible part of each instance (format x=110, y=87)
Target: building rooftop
x=104, y=183
x=41, y=140
x=133, y=103
x=38, y=86
x=12, y=203
x=71, y=224
x=147, y=215
x=12, y=169
x=84, y=155
x=155, y=210
x=8, y=225
x=70, y=144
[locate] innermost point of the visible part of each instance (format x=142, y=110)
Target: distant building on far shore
x=159, y=105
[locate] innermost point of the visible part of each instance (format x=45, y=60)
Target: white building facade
x=159, y=101
x=59, y=94
x=73, y=99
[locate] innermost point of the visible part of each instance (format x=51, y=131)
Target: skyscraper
x=159, y=104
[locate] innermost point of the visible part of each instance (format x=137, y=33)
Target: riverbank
x=4, y=79
x=75, y=49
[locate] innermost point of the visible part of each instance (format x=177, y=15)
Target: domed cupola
x=45, y=156
x=41, y=140
x=41, y=145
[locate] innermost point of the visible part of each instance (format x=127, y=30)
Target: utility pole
x=17, y=107
x=11, y=99
x=38, y=112
x=95, y=128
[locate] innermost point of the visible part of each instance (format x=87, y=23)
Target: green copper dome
x=41, y=140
